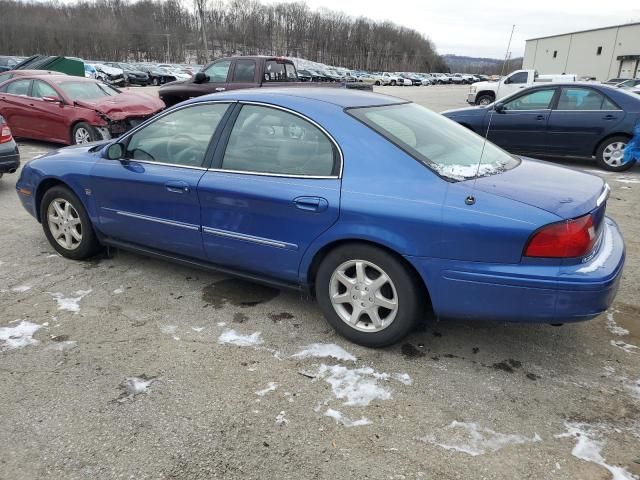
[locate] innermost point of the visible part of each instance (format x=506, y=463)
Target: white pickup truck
x=484, y=93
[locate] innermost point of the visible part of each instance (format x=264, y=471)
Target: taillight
x=567, y=239
x=5, y=133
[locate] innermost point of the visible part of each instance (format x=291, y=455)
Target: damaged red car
x=71, y=110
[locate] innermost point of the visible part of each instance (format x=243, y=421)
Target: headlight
x=472, y=89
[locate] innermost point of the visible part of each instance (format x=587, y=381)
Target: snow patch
x=19, y=336
x=627, y=347
x=589, y=449
x=232, y=337
x=118, y=290
x=357, y=387
x=221, y=324
x=606, y=250
x=280, y=419
x=169, y=329
x=340, y=418
x=21, y=288
x=133, y=386
x=467, y=437
x=635, y=388
x=71, y=304
x=614, y=327
x=463, y=172
x=402, y=378
x=627, y=179
x=197, y=329
x=63, y=346
x=271, y=386
x=323, y=350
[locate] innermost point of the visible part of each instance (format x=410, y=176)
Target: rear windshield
x=451, y=150
x=275, y=71
x=87, y=90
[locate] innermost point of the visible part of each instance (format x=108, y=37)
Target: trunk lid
x=563, y=191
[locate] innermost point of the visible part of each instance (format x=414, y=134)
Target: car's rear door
x=522, y=125
x=14, y=107
x=580, y=119
x=274, y=188
x=150, y=197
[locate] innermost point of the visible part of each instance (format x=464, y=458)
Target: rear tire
x=367, y=295
x=66, y=224
x=84, y=133
x=609, y=154
x=393, y=83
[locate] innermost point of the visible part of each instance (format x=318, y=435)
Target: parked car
x=614, y=81
x=157, y=76
x=90, y=71
x=9, y=154
x=583, y=120
x=112, y=75
x=132, y=76
x=380, y=207
x=441, y=78
x=24, y=73
x=232, y=73
x=8, y=63
x=68, y=110
x=632, y=82
x=305, y=76
x=484, y=93
x=413, y=79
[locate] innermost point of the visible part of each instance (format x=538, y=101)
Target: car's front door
x=49, y=118
x=521, y=126
x=149, y=197
x=243, y=74
x=217, y=78
x=274, y=188
x=14, y=107
x=580, y=120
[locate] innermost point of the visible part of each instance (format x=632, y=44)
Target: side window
x=609, y=105
x=245, y=71
x=5, y=76
x=18, y=87
x=581, y=99
x=538, y=100
x=179, y=138
x=218, y=72
x=268, y=140
x=291, y=71
x=41, y=89
x=274, y=72
x=520, y=77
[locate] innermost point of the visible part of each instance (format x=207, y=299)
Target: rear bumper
x=9, y=162
x=527, y=292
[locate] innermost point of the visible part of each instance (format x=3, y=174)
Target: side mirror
x=499, y=107
x=52, y=99
x=115, y=151
x=199, y=77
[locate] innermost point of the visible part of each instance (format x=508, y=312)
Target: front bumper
x=538, y=293
x=471, y=98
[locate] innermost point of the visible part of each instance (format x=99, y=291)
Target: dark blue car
x=379, y=207
x=574, y=119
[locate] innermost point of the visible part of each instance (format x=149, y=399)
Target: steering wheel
x=180, y=146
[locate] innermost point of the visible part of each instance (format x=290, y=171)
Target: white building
x=602, y=53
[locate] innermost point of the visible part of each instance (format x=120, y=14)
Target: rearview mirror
x=499, y=107
x=199, y=77
x=52, y=99
x=115, y=151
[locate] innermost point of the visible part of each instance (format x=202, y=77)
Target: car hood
x=480, y=85
x=124, y=105
x=110, y=70
x=559, y=190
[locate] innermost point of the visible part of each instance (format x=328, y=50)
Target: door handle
x=220, y=89
x=177, y=186
x=540, y=117
x=311, y=204
x=609, y=117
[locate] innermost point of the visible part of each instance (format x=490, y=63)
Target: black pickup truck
x=232, y=73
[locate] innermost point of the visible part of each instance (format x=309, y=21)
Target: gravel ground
x=121, y=371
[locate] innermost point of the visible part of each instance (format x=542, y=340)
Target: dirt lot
x=127, y=367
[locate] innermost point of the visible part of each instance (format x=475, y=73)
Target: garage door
x=628, y=68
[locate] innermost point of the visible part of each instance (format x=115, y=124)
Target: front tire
x=610, y=154
x=484, y=100
x=367, y=295
x=66, y=224
x=84, y=133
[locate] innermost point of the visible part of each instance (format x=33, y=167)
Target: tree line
x=168, y=31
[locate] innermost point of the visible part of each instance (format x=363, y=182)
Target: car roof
x=342, y=97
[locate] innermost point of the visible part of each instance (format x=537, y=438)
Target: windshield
x=446, y=147
x=87, y=90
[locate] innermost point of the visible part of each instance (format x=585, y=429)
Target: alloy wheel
x=82, y=135
x=363, y=295
x=64, y=223
x=613, y=154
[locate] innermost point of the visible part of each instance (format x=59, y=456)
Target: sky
x=481, y=28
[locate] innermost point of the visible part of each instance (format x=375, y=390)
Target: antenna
x=470, y=199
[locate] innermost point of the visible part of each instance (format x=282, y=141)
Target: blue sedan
x=382, y=209
x=574, y=119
